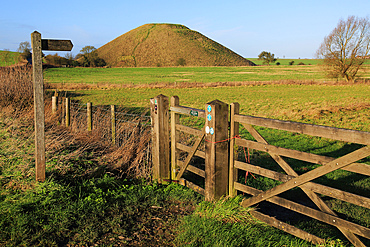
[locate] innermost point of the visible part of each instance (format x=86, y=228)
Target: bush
x=180, y=62
x=301, y=63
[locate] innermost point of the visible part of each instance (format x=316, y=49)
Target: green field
x=341, y=106
x=8, y=58
x=178, y=75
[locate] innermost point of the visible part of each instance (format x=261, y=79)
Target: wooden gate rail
x=292, y=179
x=176, y=128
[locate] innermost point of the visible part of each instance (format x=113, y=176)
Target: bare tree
x=346, y=48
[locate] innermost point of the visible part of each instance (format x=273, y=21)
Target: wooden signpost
x=38, y=45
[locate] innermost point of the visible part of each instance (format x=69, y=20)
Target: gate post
x=159, y=109
x=216, y=149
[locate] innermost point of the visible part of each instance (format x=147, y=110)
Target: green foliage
x=267, y=57
x=90, y=58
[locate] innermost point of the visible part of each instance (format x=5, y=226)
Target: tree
x=90, y=58
x=267, y=57
x=25, y=50
x=346, y=48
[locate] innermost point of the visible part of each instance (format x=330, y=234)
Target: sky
x=286, y=28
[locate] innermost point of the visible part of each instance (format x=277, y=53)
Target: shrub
x=180, y=62
x=301, y=63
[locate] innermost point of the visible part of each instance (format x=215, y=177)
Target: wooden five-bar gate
x=217, y=144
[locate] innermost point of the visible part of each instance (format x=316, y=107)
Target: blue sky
x=287, y=28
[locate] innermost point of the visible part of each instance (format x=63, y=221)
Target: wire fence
x=120, y=128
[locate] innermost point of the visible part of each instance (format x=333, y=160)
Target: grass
x=343, y=106
x=8, y=58
x=86, y=202
x=176, y=76
x=76, y=208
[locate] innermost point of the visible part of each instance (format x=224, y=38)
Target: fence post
x=39, y=108
x=113, y=120
x=234, y=131
x=216, y=149
x=89, y=116
x=68, y=112
x=160, y=138
x=175, y=119
x=54, y=106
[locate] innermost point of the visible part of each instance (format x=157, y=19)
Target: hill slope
x=154, y=45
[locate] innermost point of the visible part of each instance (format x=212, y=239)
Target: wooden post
x=216, y=149
x=68, y=113
x=160, y=138
x=89, y=116
x=38, y=92
x=113, y=120
x=175, y=119
x=54, y=105
x=63, y=110
x=234, y=131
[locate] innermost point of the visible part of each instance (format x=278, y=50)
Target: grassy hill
x=8, y=58
x=157, y=45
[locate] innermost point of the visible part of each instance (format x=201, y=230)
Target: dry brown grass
x=184, y=84
x=94, y=149
x=16, y=86
x=153, y=45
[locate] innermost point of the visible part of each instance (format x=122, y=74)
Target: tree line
x=88, y=57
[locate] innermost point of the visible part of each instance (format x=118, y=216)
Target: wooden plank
x=190, y=155
x=287, y=228
x=188, y=111
x=313, y=213
x=233, y=154
x=262, y=171
x=193, y=169
x=175, y=120
x=318, y=188
x=188, y=130
x=188, y=149
x=308, y=176
x=39, y=107
x=299, y=155
x=56, y=45
x=339, y=134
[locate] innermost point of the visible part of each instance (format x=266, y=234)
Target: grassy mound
x=156, y=45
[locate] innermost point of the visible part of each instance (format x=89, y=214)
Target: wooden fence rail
x=219, y=141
